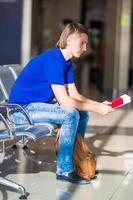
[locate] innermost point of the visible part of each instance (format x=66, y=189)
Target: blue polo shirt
x=34, y=82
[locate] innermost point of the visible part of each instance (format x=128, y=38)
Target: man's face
x=77, y=44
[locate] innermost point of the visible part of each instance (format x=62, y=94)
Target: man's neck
x=67, y=55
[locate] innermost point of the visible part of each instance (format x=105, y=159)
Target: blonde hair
x=70, y=28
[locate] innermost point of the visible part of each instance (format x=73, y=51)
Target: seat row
x=28, y=132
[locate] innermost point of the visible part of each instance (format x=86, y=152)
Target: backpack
x=83, y=158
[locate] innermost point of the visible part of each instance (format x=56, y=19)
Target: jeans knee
x=72, y=114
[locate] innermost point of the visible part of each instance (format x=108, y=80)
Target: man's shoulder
x=52, y=51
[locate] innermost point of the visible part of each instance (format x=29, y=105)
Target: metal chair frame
x=8, y=135
x=28, y=132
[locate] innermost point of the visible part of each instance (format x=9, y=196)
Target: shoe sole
x=72, y=181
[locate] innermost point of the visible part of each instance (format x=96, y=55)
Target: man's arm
x=65, y=98
x=73, y=92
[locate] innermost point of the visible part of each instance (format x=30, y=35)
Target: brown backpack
x=84, y=159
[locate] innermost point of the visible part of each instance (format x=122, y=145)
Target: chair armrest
x=2, y=118
x=13, y=105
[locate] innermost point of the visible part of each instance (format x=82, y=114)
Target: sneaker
x=72, y=178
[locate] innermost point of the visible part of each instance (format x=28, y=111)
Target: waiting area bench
x=28, y=132
x=8, y=74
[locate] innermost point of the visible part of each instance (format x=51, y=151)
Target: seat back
x=15, y=69
x=8, y=74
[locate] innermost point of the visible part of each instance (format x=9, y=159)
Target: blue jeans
x=71, y=121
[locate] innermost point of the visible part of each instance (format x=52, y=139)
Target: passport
x=120, y=101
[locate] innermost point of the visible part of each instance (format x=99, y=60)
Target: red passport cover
x=120, y=101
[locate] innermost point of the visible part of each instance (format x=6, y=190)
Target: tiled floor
x=110, y=138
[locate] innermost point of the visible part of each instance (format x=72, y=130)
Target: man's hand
x=104, y=108
x=107, y=103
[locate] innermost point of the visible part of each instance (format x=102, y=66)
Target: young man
x=48, y=76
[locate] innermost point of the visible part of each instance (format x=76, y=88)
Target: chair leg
x=15, y=186
x=30, y=157
x=33, y=157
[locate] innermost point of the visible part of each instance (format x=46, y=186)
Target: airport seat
x=8, y=74
x=29, y=132
x=6, y=134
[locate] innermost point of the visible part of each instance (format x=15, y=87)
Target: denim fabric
x=71, y=121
